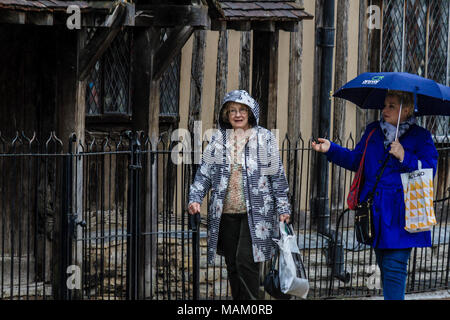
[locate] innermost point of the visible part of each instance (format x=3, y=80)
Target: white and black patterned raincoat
x=265, y=185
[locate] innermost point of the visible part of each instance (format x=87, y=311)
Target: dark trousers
x=393, y=265
x=236, y=244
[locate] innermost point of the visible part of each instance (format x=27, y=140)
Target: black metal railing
x=105, y=218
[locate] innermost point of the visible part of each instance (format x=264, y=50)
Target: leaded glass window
x=415, y=39
x=170, y=84
x=108, y=86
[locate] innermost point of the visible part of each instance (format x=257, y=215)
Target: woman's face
x=238, y=116
x=391, y=110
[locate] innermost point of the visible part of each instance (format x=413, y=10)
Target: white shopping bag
x=418, y=196
x=292, y=274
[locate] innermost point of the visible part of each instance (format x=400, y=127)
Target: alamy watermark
x=374, y=20
x=74, y=20
x=74, y=278
x=374, y=279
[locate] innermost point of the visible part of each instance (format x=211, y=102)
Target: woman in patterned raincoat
x=249, y=193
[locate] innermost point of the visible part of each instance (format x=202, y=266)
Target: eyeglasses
x=234, y=112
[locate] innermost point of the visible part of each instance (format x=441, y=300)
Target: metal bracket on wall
x=325, y=37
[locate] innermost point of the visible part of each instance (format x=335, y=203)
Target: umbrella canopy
x=368, y=91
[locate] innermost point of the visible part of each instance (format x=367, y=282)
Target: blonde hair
x=406, y=98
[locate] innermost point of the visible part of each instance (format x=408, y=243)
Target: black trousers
x=236, y=244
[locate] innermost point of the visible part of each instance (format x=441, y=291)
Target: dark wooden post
x=71, y=106
x=70, y=118
x=363, y=62
x=340, y=78
x=265, y=75
x=221, y=72
x=146, y=118
x=294, y=110
x=195, y=102
x=244, y=61
x=374, y=57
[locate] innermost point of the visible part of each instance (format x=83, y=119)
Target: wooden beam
x=239, y=25
x=173, y=15
x=244, y=61
x=295, y=108
x=289, y=26
x=340, y=78
x=340, y=74
x=145, y=106
x=101, y=41
x=13, y=17
x=218, y=25
x=263, y=26
x=170, y=49
x=215, y=10
x=39, y=18
x=195, y=101
x=197, y=75
x=265, y=75
x=100, y=19
x=273, y=80
x=221, y=72
x=295, y=85
x=363, y=63
x=374, y=60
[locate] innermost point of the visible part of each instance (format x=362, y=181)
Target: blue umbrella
x=368, y=91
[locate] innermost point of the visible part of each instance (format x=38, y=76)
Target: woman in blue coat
x=392, y=243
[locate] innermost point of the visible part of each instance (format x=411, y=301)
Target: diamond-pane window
x=170, y=89
x=415, y=39
x=94, y=91
x=170, y=84
x=391, y=51
x=108, y=86
x=439, y=42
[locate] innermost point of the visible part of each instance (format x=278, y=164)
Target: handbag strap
x=274, y=260
x=361, y=163
x=371, y=194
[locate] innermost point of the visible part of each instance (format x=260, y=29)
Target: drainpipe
x=325, y=38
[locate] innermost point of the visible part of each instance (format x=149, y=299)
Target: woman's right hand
x=323, y=145
x=194, y=208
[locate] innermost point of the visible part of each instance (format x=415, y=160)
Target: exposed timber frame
x=101, y=41
x=170, y=49
x=172, y=16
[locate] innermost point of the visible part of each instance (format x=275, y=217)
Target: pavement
x=434, y=295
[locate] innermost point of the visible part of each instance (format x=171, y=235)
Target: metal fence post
x=67, y=222
x=133, y=217
x=194, y=225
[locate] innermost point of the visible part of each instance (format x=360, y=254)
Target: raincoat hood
x=240, y=96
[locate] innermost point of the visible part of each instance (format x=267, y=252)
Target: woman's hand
x=397, y=150
x=194, y=208
x=284, y=218
x=323, y=146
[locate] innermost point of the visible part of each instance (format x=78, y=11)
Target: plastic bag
x=292, y=273
x=418, y=196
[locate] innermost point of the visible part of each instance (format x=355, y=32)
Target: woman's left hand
x=284, y=218
x=397, y=150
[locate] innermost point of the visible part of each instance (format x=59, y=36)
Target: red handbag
x=353, y=195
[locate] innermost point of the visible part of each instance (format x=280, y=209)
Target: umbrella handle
x=398, y=121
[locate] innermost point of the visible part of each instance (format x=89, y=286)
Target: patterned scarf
x=389, y=130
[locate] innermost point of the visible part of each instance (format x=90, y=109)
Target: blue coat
x=389, y=206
